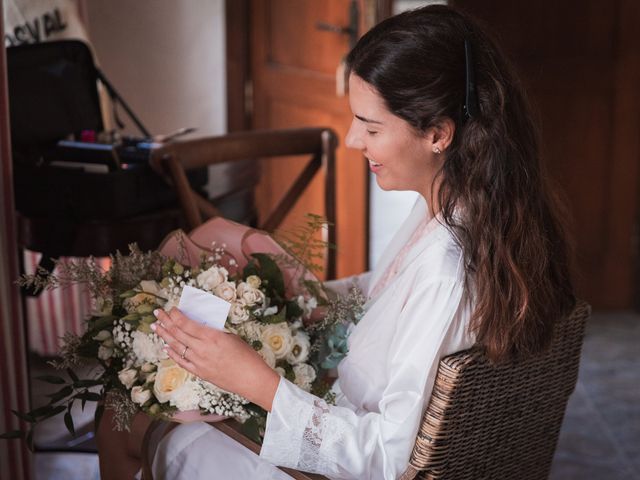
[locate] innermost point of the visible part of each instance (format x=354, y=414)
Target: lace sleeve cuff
x=294, y=427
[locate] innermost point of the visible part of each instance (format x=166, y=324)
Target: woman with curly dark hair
x=482, y=259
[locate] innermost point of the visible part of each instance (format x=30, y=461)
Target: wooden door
x=293, y=71
x=581, y=62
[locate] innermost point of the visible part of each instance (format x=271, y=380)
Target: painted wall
x=166, y=58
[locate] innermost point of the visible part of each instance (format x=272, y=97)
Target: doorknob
x=351, y=29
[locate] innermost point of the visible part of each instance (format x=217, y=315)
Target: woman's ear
x=441, y=135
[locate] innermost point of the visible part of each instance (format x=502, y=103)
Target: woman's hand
x=217, y=357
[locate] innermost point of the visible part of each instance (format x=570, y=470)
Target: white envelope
x=204, y=307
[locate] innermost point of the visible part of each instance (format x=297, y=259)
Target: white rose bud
x=212, y=278
x=254, y=281
x=300, y=349
x=226, y=291
x=305, y=375
x=128, y=376
x=140, y=395
x=280, y=371
x=151, y=377
x=250, y=296
x=102, y=335
x=278, y=337
x=238, y=313
x=148, y=367
x=105, y=353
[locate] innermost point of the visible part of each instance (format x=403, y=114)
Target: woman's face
x=401, y=158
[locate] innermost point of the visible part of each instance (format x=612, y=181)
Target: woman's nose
x=353, y=140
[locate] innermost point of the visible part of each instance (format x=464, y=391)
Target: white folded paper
x=204, y=307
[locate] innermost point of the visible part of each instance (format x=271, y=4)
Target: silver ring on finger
x=184, y=352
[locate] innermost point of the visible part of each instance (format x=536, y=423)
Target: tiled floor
x=600, y=437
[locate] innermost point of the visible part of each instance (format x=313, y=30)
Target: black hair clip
x=470, y=107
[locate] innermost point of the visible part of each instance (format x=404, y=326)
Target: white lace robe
x=384, y=382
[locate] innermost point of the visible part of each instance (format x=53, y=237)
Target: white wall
x=166, y=58
x=389, y=209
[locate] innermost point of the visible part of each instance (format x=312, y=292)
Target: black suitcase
x=53, y=96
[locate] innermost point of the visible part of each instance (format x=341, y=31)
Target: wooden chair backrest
x=175, y=159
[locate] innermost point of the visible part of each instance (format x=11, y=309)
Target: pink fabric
x=195, y=416
x=426, y=226
x=238, y=240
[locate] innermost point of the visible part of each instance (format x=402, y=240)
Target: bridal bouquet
x=271, y=293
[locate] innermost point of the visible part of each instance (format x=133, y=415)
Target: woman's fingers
x=172, y=333
x=184, y=362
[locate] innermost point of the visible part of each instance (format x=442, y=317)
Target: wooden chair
x=483, y=421
x=174, y=159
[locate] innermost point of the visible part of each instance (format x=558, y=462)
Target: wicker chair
x=483, y=421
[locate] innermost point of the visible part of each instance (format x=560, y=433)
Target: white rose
x=278, y=337
x=300, y=349
x=254, y=281
x=148, y=367
x=226, y=291
x=238, y=313
x=268, y=356
x=169, y=378
x=105, y=353
x=140, y=395
x=128, y=376
x=212, y=277
x=304, y=375
x=249, y=295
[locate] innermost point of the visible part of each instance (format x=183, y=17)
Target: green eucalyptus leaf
x=87, y=383
x=101, y=323
x=72, y=375
x=270, y=273
x=60, y=394
x=251, y=429
x=27, y=417
x=53, y=379
x=54, y=411
x=68, y=422
x=12, y=434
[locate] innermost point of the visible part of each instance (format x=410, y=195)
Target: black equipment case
x=53, y=97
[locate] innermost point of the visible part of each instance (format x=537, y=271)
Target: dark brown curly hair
x=510, y=229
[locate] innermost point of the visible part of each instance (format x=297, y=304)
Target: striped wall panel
x=15, y=460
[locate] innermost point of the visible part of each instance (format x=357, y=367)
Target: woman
x=482, y=258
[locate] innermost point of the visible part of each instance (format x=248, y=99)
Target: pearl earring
x=437, y=150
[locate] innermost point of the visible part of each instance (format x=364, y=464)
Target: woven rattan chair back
x=499, y=422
